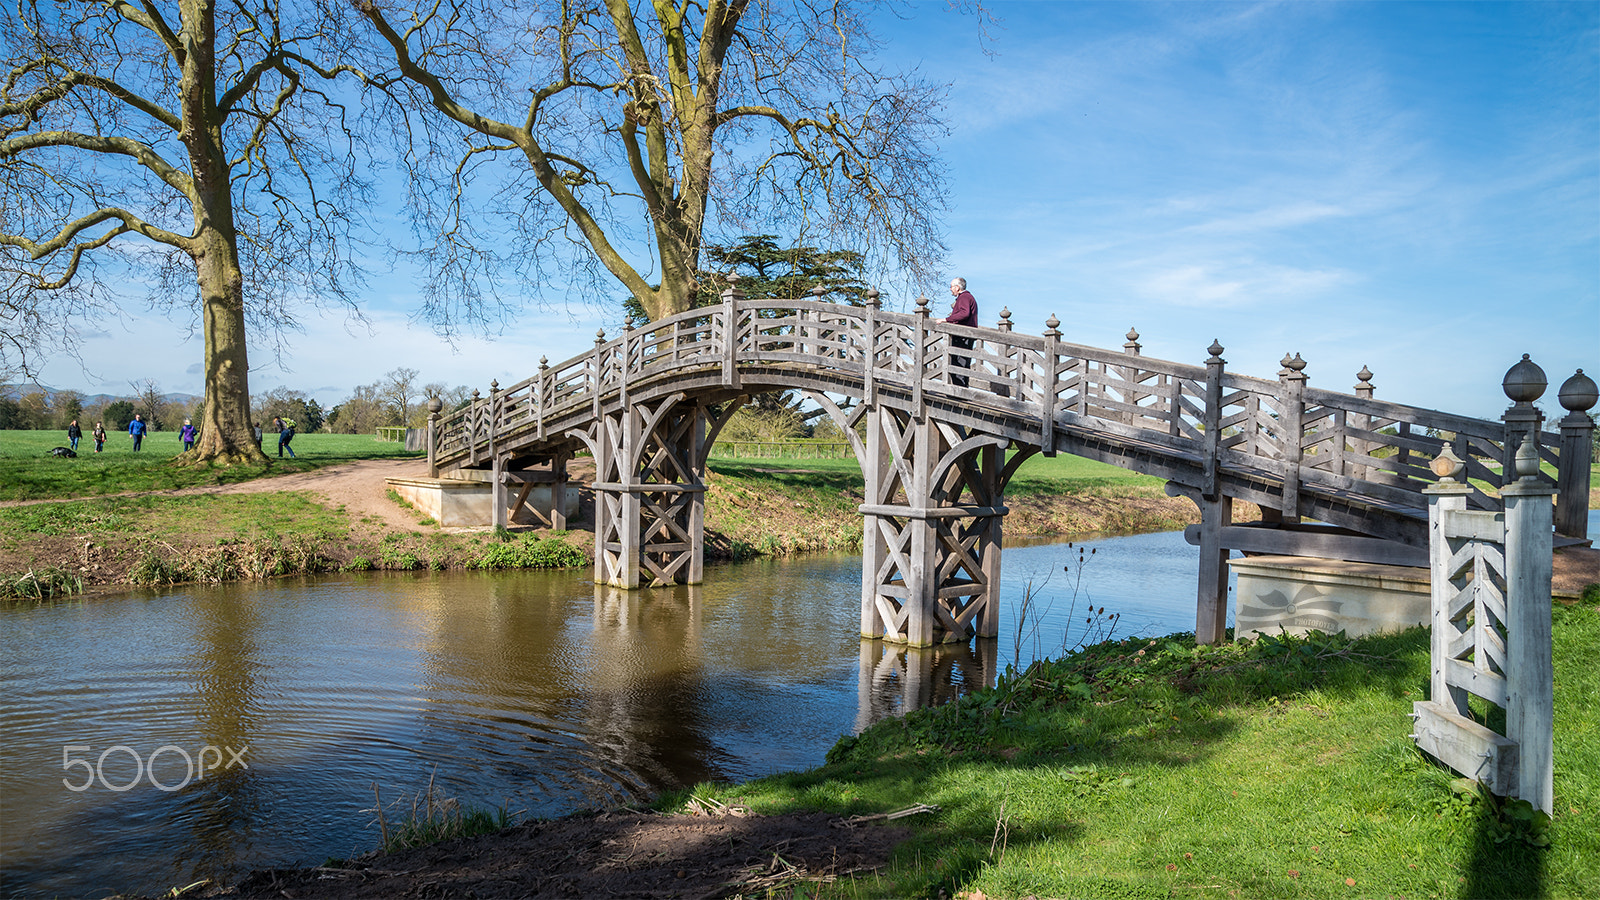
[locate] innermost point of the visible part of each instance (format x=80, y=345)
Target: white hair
x=959, y=282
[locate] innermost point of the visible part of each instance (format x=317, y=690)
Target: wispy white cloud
x=1234, y=285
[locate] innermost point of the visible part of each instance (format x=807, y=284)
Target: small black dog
x=64, y=453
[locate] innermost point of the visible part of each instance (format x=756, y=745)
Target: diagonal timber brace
x=931, y=557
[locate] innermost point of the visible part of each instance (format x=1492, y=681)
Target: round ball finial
x=1052, y=325
x=475, y=394
x=435, y=404
x=494, y=385
x=627, y=323
x=1133, y=333
x=1005, y=313
x=1364, y=376
x=872, y=297
x=1215, y=349
x=600, y=336
x=1447, y=464
x=922, y=306
x=1297, y=364
x=818, y=291
x=544, y=362
x=1525, y=381
x=1578, y=393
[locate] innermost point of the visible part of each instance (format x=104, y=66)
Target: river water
x=536, y=691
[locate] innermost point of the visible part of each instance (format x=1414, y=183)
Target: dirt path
x=359, y=486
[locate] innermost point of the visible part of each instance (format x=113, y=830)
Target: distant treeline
x=398, y=398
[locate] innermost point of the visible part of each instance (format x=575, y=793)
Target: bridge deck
x=1344, y=459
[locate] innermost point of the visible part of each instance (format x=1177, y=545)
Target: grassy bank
x=771, y=507
x=28, y=472
x=1152, y=768
x=78, y=537
x=74, y=535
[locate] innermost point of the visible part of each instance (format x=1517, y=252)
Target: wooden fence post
x=919, y=359
x=1446, y=496
x=474, y=415
x=1364, y=389
x=434, y=405
x=730, y=332
x=1530, y=674
x=869, y=354
x=1052, y=386
x=1578, y=395
x=1524, y=383
x=1291, y=440
x=1489, y=576
x=1213, y=420
x=596, y=373
x=497, y=496
x=541, y=392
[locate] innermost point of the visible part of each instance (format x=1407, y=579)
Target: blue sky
x=1410, y=187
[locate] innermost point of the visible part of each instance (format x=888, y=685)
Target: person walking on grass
x=74, y=435
x=99, y=436
x=188, y=435
x=285, y=435
x=136, y=430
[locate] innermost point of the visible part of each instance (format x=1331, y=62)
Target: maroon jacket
x=964, y=311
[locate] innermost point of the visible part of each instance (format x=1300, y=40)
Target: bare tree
x=148, y=399
x=181, y=145
x=692, y=118
x=399, y=387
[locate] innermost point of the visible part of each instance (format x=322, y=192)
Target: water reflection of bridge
x=940, y=429
x=891, y=679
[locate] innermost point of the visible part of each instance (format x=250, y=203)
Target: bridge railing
x=1301, y=437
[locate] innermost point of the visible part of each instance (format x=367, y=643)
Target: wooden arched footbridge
x=940, y=429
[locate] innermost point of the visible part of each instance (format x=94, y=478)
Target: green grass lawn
x=1151, y=768
x=28, y=472
x=1039, y=474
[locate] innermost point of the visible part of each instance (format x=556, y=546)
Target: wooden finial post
x=434, y=406
x=1578, y=395
x=1052, y=385
x=1523, y=384
x=1291, y=442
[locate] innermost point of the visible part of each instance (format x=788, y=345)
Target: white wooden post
x=1530, y=673
x=1490, y=576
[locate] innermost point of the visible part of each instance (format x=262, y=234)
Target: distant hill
x=17, y=391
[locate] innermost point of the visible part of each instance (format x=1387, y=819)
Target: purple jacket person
x=963, y=312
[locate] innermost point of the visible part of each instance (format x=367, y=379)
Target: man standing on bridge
x=963, y=312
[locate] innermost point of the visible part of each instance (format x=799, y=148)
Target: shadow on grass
x=1089, y=722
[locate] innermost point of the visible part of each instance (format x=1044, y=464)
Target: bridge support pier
x=649, y=493
x=931, y=532
x=1211, y=607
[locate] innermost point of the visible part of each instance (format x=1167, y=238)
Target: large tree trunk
x=226, y=435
